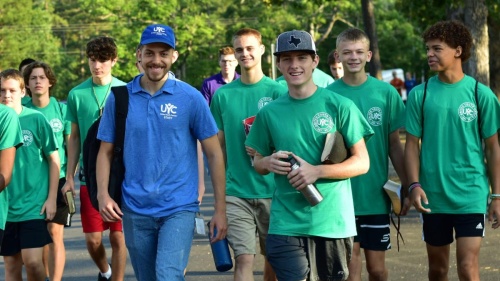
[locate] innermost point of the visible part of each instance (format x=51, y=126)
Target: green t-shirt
x=300, y=126
x=383, y=108
x=231, y=104
x=83, y=108
x=320, y=79
x=29, y=187
x=55, y=112
x=452, y=168
x=25, y=100
x=10, y=136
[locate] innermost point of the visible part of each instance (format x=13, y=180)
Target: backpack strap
x=477, y=108
x=422, y=110
x=121, y=111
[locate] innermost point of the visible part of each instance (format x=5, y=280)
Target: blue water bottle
x=220, y=252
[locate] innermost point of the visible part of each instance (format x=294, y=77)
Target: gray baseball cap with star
x=295, y=40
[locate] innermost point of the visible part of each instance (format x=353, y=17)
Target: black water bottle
x=220, y=252
x=310, y=192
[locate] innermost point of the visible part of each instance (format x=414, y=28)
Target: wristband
x=495, y=196
x=413, y=186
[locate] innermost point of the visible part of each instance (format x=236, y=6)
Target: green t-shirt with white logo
x=83, y=108
x=231, y=104
x=384, y=110
x=10, y=136
x=452, y=169
x=29, y=187
x=55, y=112
x=300, y=126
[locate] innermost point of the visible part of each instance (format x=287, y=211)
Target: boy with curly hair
x=448, y=174
x=85, y=104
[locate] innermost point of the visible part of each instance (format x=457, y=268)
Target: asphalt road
x=410, y=263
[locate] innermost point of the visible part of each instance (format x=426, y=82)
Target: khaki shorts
x=246, y=218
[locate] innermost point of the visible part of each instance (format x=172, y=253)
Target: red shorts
x=91, y=219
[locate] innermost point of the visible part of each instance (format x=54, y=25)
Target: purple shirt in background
x=212, y=83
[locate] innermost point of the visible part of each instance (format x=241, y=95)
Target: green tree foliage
x=57, y=31
x=27, y=33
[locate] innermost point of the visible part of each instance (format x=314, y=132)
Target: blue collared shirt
x=160, y=151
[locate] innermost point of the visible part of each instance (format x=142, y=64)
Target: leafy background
x=57, y=31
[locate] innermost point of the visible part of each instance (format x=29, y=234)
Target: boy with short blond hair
x=383, y=108
x=32, y=191
x=248, y=194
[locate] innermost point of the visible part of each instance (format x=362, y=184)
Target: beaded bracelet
x=413, y=186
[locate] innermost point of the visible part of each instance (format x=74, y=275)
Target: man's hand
x=494, y=213
x=276, y=164
x=109, y=210
x=218, y=221
x=303, y=176
x=49, y=208
x=69, y=185
x=417, y=196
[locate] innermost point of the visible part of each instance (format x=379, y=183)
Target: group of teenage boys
x=249, y=170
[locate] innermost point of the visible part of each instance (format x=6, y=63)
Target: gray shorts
x=246, y=218
x=312, y=258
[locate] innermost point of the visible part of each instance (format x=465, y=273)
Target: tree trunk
x=493, y=28
x=475, y=18
x=369, y=20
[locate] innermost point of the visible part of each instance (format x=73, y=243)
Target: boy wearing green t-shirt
x=450, y=115
x=248, y=194
x=383, y=108
x=85, y=104
x=10, y=139
x=39, y=79
x=304, y=241
x=32, y=191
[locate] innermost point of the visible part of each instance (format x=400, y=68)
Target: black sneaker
x=102, y=278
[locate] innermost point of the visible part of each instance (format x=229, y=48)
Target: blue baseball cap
x=158, y=33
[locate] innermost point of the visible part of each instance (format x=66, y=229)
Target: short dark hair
x=278, y=56
x=453, y=33
x=102, y=48
x=331, y=59
x=24, y=62
x=46, y=69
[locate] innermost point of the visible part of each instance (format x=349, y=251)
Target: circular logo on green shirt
x=264, y=101
x=56, y=125
x=374, y=116
x=27, y=138
x=322, y=122
x=467, y=112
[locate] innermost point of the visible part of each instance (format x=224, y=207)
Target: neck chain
x=100, y=106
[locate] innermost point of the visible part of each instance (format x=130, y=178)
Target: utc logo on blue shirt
x=168, y=111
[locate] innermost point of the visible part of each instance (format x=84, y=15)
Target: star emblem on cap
x=295, y=41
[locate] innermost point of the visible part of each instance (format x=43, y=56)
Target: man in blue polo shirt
x=227, y=63
x=165, y=119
